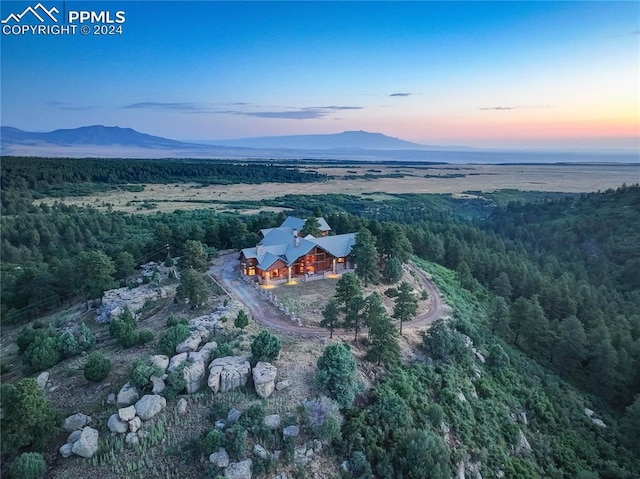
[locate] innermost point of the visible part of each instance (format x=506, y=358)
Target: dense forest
x=73, y=177
x=550, y=284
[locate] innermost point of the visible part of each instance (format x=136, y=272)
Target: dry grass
x=561, y=178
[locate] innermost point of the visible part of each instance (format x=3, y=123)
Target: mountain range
x=115, y=142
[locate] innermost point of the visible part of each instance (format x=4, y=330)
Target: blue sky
x=489, y=74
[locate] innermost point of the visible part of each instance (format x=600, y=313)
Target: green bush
x=265, y=347
x=173, y=336
x=253, y=416
x=29, y=465
x=43, y=353
x=97, y=367
x=242, y=320
x=392, y=271
x=175, y=382
x=212, y=441
x=68, y=345
x=28, y=334
x=142, y=370
x=236, y=442
x=124, y=329
x=222, y=350
x=337, y=373
x=144, y=336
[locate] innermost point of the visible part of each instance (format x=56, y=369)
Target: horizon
x=552, y=76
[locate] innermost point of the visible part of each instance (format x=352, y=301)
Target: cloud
x=401, y=94
x=291, y=113
x=505, y=108
x=183, y=107
x=64, y=105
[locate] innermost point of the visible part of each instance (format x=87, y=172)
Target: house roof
x=298, y=223
x=338, y=246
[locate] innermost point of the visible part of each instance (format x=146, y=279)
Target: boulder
x=194, y=374
x=291, y=431
x=66, y=450
x=87, y=444
x=220, y=458
x=161, y=361
x=127, y=395
x=598, y=422
x=158, y=385
x=176, y=361
x=280, y=385
x=74, y=436
x=523, y=444
x=228, y=373
x=127, y=413
x=302, y=455
x=260, y=451
x=264, y=377
x=190, y=344
x=272, y=421
x=115, y=424
x=42, y=379
x=239, y=470
x=114, y=301
x=135, y=424
x=181, y=407
x=111, y=399
x=233, y=416
x=75, y=422
x=149, y=406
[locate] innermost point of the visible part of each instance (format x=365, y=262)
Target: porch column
x=289, y=274
x=333, y=265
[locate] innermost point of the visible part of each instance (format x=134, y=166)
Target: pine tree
x=499, y=316
x=406, y=304
x=242, y=320
x=192, y=288
x=365, y=256
x=330, y=316
x=383, y=335
x=194, y=256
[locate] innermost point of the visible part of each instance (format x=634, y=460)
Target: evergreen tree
x=393, y=243
x=392, y=272
x=330, y=316
x=194, y=256
x=192, y=287
x=311, y=227
x=383, y=335
x=124, y=264
x=406, y=304
x=366, y=257
x=571, y=349
x=347, y=287
x=337, y=373
x=353, y=315
x=501, y=286
x=499, y=316
x=242, y=320
x=94, y=271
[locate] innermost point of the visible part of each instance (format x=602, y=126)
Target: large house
x=283, y=254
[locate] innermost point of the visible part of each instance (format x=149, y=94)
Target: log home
x=283, y=254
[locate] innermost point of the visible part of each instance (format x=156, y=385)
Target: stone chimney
x=259, y=250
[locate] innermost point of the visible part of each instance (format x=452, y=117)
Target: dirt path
x=225, y=272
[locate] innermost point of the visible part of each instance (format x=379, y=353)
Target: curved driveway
x=224, y=270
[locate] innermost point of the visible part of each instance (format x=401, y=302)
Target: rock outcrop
x=115, y=301
x=127, y=395
x=264, y=378
x=75, y=422
x=220, y=458
x=228, y=373
x=193, y=374
x=239, y=470
x=149, y=406
x=87, y=444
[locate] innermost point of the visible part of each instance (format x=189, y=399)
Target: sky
x=530, y=75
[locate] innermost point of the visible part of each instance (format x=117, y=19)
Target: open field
x=372, y=180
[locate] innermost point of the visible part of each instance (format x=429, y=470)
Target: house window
x=251, y=271
x=340, y=260
x=275, y=273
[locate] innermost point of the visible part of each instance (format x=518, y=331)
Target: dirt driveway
x=226, y=273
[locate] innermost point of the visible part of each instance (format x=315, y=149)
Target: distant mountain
x=362, y=140
x=96, y=135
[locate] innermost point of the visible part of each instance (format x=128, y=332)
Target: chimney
x=259, y=250
x=295, y=233
x=296, y=241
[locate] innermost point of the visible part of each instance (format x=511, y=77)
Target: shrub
x=97, y=367
x=172, y=320
x=359, y=465
x=236, y=442
x=142, y=370
x=265, y=347
x=28, y=416
x=173, y=336
x=222, y=350
x=253, y=416
x=42, y=353
x=28, y=334
x=29, y=465
x=337, y=373
x=67, y=344
x=85, y=337
x=212, y=441
x=323, y=417
x=144, y=336
x=392, y=271
x=242, y=320
x=175, y=382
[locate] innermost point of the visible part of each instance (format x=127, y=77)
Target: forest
x=547, y=284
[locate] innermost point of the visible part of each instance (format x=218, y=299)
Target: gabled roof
x=338, y=246
x=298, y=223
